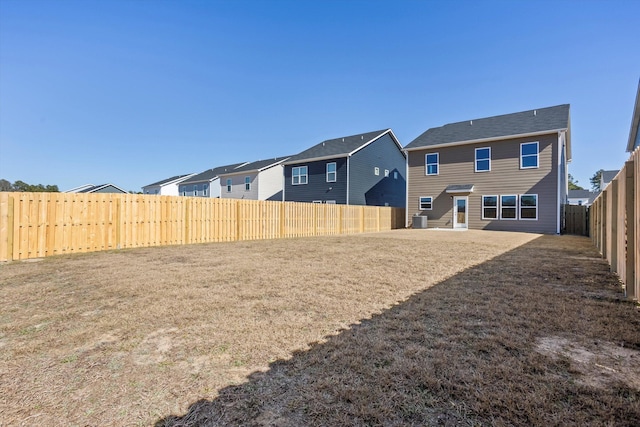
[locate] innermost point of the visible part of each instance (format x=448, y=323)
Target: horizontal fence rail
x=614, y=225
x=35, y=225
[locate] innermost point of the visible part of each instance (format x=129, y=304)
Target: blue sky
x=131, y=92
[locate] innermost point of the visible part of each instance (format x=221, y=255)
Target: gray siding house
x=505, y=172
x=261, y=180
x=166, y=187
x=363, y=169
x=102, y=188
x=205, y=184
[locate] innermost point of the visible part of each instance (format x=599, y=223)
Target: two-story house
x=206, y=184
x=505, y=172
x=167, y=186
x=363, y=169
x=261, y=180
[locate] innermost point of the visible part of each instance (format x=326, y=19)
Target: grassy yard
x=409, y=327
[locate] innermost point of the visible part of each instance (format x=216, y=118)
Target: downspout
x=558, y=192
x=406, y=189
x=348, y=157
x=284, y=181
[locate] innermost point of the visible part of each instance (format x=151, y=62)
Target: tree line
x=23, y=187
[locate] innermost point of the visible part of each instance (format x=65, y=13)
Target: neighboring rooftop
x=211, y=174
x=606, y=177
x=258, y=165
x=102, y=188
x=338, y=147
x=537, y=121
x=168, y=180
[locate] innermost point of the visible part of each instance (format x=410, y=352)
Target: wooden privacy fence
x=34, y=225
x=576, y=220
x=615, y=225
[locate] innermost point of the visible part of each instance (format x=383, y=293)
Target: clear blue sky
x=131, y=92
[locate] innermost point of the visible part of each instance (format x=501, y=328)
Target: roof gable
x=538, y=121
x=257, y=166
x=211, y=174
x=338, y=147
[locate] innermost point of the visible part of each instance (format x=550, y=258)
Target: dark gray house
x=363, y=169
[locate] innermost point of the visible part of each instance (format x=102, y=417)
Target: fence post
x=613, y=229
x=630, y=291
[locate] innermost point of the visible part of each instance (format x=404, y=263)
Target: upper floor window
x=299, y=175
x=395, y=174
x=195, y=190
x=376, y=171
x=386, y=172
x=529, y=155
x=247, y=183
x=205, y=187
x=229, y=182
x=331, y=172
x=432, y=163
x=426, y=203
x=483, y=159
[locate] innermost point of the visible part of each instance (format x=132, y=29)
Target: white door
x=460, y=212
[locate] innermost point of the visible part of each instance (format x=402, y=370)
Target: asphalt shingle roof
x=607, y=176
x=258, y=165
x=582, y=194
x=337, y=147
x=164, y=181
x=210, y=174
x=525, y=122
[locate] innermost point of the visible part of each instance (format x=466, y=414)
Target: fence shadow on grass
x=518, y=340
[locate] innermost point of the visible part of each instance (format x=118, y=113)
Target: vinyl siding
x=366, y=188
x=317, y=187
x=270, y=183
x=237, y=186
x=457, y=166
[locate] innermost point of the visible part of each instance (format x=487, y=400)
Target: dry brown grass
x=400, y=328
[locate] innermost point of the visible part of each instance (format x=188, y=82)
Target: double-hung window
x=331, y=172
x=247, y=183
x=229, y=182
x=204, y=190
x=483, y=159
x=529, y=206
x=432, y=163
x=508, y=207
x=489, y=207
x=299, y=175
x=426, y=203
x=529, y=155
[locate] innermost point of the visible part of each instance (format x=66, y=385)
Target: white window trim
x=498, y=211
x=376, y=171
x=229, y=183
x=530, y=155
x=527, y=207
x=420, y=203
x=386, y=172
x=335, y=172
x=476, y=159
x=330, y=202
x=247, y=183
x=317, y=201
x=437, y=163
x=306, y=175
x=509, y=207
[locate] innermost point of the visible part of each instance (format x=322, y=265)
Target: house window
x=331, y=172
x=431, y=162
x=195, y=190
x=386, y=172
x=426, y=203
x=247, y=183
x=483, y=159
x=508, y=206
x=376, y=171
x=489, y=207
x=529, y=206
x=229, y=185
x=395, y=174
x=529, y=155
x=330, y=202
x=204, y=189
x=317, y=201
x=299, y=175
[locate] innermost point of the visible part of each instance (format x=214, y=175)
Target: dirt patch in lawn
x=407, y=327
